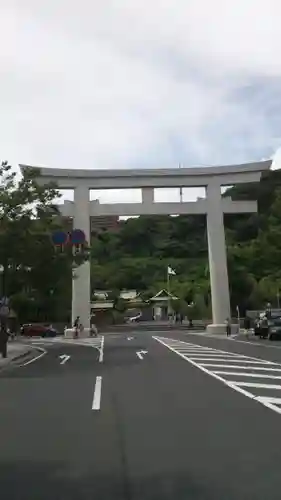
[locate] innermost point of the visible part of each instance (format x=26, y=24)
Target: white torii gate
x=214, y=206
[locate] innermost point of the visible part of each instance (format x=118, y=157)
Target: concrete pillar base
x=221, y=329
x=216, y=329
x=69, y=333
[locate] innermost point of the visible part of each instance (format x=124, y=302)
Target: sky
x=140, y=83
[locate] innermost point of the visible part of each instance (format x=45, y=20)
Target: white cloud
x=120, y=83
x=276, y=160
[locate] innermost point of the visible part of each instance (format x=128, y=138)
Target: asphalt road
x=157, y=425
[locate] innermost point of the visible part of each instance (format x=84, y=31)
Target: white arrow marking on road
x=140, y=354
x=64, y=358
x=130, y=338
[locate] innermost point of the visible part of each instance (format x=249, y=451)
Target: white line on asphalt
x=269, y=405
x=257, y=386
x=213, y=355
x=37, y=357
x=140, y=354
x=101, y=350
x=195, y=352
x=240, y=360
x=97, y=394
x=276, y=401
x=211, y=365
x=64, y=358
x=254, y=375
x=195, y=348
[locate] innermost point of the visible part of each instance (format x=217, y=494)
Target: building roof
x=163, y=295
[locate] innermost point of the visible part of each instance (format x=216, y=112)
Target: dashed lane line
x=97, y=394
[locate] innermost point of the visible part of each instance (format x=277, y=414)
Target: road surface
x=143, y=417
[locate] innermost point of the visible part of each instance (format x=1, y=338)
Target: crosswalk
x=255, y=378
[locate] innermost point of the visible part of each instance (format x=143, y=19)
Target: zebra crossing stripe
x=230, y=361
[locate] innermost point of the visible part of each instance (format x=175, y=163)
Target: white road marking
x=271, y=406
x=140, y=354
x=43, y=352
x=64, y=358
x=229, y=359
x=195, y=353
x=212, y=355
x=211, y=365
x=228, y=362
x=101, y=350
x=257, y=386
x=270, y=400
x=97, y=394
x=254, y=375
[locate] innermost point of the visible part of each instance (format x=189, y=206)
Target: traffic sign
x=77, y=237
x=59, y=238
x=4, y=311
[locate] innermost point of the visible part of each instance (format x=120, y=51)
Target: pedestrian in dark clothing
x=76, y=326
x=3, y=337
x=228, y=327
x=264, y=327
x=247, y=323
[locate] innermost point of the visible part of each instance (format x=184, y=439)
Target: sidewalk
x=217, y=335
x=15, y=350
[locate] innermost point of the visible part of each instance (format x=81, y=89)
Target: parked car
x=134, y=319
x=38, y=330
x=274, y=330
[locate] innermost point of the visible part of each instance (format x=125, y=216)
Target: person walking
x=264, y=327
x=228, y=327
x=247, y=324
x=76, y=326
x=3, y=337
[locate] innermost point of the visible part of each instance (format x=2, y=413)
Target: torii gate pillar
x=217, y=260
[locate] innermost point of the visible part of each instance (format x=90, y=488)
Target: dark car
x=38, y=330
x=274, y=330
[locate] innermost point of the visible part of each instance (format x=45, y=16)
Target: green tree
x=36, y=276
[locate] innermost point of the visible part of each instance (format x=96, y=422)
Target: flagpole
x=168, y=290
x=238, y=317
x=180, y=188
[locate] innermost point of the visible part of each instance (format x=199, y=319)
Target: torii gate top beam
x=153, y=178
